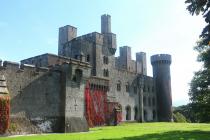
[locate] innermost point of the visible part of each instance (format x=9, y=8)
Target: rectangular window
x=118, y=87
x=105, y=60
x=106, y=73
x=88, y=58
x=127, y=88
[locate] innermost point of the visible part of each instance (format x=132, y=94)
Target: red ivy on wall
x=98, y=110
x=4, y=113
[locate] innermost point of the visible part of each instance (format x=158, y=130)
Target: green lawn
x=133, y=131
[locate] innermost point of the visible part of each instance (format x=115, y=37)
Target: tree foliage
x=201, y=7
x=200, y=85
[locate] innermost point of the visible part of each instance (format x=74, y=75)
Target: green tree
x=200, y=85
x=201, y=7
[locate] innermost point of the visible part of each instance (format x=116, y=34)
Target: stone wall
x=130, y=97
x=51, y=98
x=34, y=94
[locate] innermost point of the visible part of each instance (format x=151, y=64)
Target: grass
x=133, y=131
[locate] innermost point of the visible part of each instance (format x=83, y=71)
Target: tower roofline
x=161, y=57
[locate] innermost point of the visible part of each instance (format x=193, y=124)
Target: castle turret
x=66, y=33
x=141, y=63
x=161, y=74
x=109, y=38
x=125, y=57
x=105, y=24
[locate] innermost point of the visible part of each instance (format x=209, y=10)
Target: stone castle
x=51, y=90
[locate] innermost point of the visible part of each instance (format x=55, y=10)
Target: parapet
x=11, y=64
x=21, y=67
x=92, y=37
x=161, y=58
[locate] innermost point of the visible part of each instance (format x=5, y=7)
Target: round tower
x=162, y=77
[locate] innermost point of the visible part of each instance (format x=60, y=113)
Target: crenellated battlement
x=8, y=65
x=11, y=64
x=92, y=37
x=161, y=58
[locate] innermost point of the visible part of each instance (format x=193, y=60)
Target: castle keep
x=85, y=85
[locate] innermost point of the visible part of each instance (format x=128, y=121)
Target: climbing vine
x=98, y=110
x=4, y=113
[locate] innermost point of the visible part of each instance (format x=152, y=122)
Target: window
x=105, y=60
x=153, y=114
x=136, y=113
x=106, y=73
x=145, y=115
x=118, y=86
x=88, y=58
x=135, y=89
x=78, y=76
x=128, y=112
x=76, y=56
x=127, y=87
x=148, y=89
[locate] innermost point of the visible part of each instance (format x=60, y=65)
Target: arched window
x=127, y=87
x=128, y=112
x=118, y=86
x=145, y=115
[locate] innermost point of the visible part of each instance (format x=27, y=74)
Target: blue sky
x=30, y=27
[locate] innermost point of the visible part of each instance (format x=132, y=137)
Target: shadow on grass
x=172, y=135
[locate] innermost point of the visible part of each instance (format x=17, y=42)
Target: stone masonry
x=49, y=89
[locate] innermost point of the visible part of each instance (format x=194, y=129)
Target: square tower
x=66, y=33
x=105, y=24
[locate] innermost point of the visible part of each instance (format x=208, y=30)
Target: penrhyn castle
x=85, y=85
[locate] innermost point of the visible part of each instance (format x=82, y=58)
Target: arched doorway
x=128, y=112
x=135, y=113
x=145, y=115
x=153, y=115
